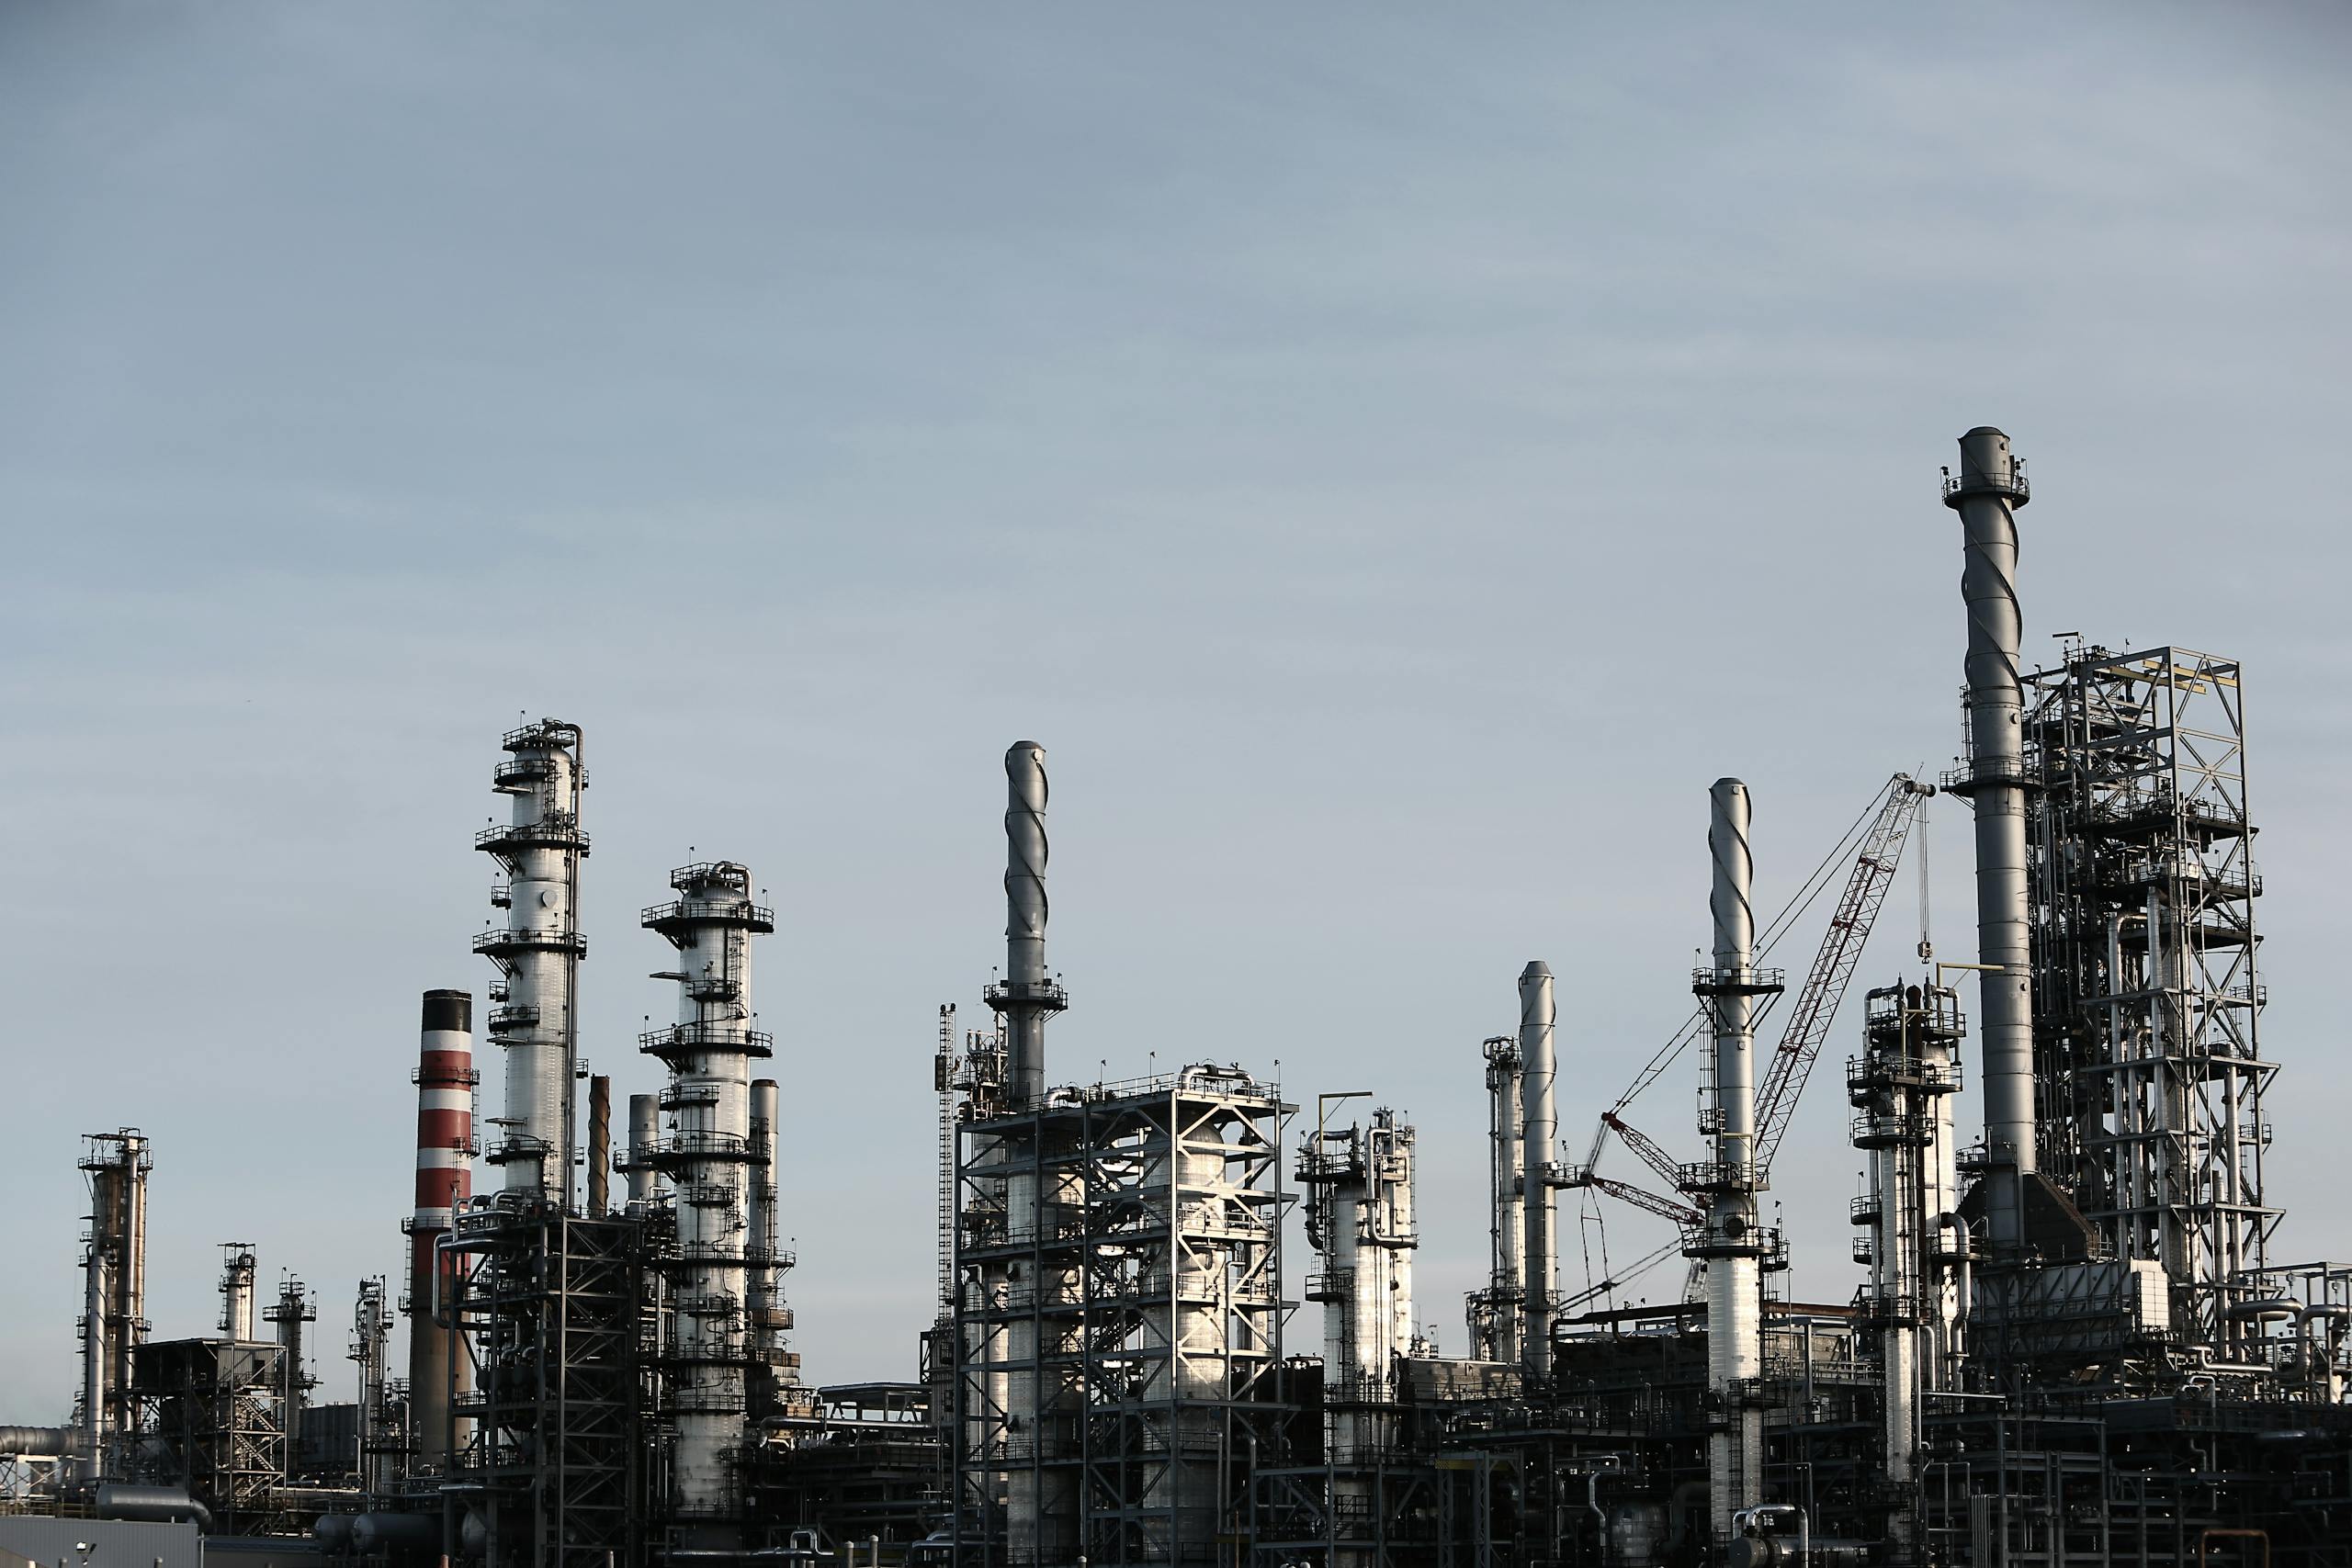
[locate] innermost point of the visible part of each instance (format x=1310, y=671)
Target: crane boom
x=1625, y=1191
x=1833, y=967
x=1642, y=1144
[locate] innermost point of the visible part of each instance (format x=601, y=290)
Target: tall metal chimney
x=1990, y=489
x=444, y=1180
x=1026, y=997
x=600, y=1145
x=1539, y=1130
x=1730, y=1242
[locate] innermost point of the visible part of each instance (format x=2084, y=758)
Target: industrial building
x=2075, y=1342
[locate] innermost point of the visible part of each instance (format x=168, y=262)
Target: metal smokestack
x=1730, y=1241
x=1990, y=489
x=238, y=1268
x=600, y=1145
x=644, y=1132
x=1026, y=997
x=444, y=1180
x=1539, y=1129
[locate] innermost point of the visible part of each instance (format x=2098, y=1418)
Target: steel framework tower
x=537, y=952
x=2145, y=995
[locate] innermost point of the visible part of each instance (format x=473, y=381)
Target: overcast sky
x=1393, y=458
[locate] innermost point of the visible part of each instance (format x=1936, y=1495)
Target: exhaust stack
x=444, y=1180
x=1989, y=490
x=1027, y=997
x=1539, y=1130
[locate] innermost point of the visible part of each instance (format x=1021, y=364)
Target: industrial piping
x=1539, y=1172
x=444, y=1180
x=1990, y=488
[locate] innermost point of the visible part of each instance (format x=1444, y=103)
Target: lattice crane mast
x=1878, y=852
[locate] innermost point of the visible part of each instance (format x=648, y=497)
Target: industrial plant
x=1176, y=1321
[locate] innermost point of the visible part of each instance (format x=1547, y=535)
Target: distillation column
x=1990, y=489
x=114, y=1322
x=1729, y=1241
x=1038, y=1509
x=766, y=1316
x=708, y=1157
x=292, y=1309
x=371, y=1332
x=1359, y=1186
x=538, y=952
x=644, y=1138
x=444, y=1180
x=1902, y=1086
x=1539, y=1130
x=1494, y=1312
x=238, y=1267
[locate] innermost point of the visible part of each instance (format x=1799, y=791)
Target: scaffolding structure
x=1130, y=1233
x=214, y=1406
x=2145, y=998
x=555, y=1309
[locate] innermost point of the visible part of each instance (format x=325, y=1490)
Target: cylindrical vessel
x=600, y=1144
x=1507, y=1225
x=537, y=952
x=644, y=1134
x=1730, y=1242
x=1990, y=489
x=1029, y=997
x=444, y=1178
x=765, y=1269
x=238, y=1267
x=710, y=1156
x=1538, y=1132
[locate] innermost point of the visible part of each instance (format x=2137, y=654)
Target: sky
x=1393, y=458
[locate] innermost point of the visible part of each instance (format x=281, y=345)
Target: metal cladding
x=710, y=1157
x=1539, y=1134
x=1027, y=997
x=238, y=1267
x=1990, y=488
x=1730, y=1242
x=444, y=1180
x=537, y=952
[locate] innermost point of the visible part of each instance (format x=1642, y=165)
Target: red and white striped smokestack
x=444, y=1178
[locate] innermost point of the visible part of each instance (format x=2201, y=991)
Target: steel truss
x=553, y=1310
x=2149, y=1081
x=1120, y=1247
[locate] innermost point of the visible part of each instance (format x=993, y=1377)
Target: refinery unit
x=2074, y=1343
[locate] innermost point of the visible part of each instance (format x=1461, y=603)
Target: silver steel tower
x=1730, y=1242
x=1989, y=488
x=710, y=1156
x=535, y=1023
x=1538, y=1132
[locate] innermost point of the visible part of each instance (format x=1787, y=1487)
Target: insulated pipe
x=644, y=1132
x=444, y=1180
x=600, y=1145
x=1539, y=1128
x=1027, y=997
x=1730, y=1241
x=1986, y=495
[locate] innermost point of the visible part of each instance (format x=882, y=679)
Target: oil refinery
x=2081, y=1337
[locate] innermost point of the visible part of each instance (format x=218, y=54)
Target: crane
x=1878, y=851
